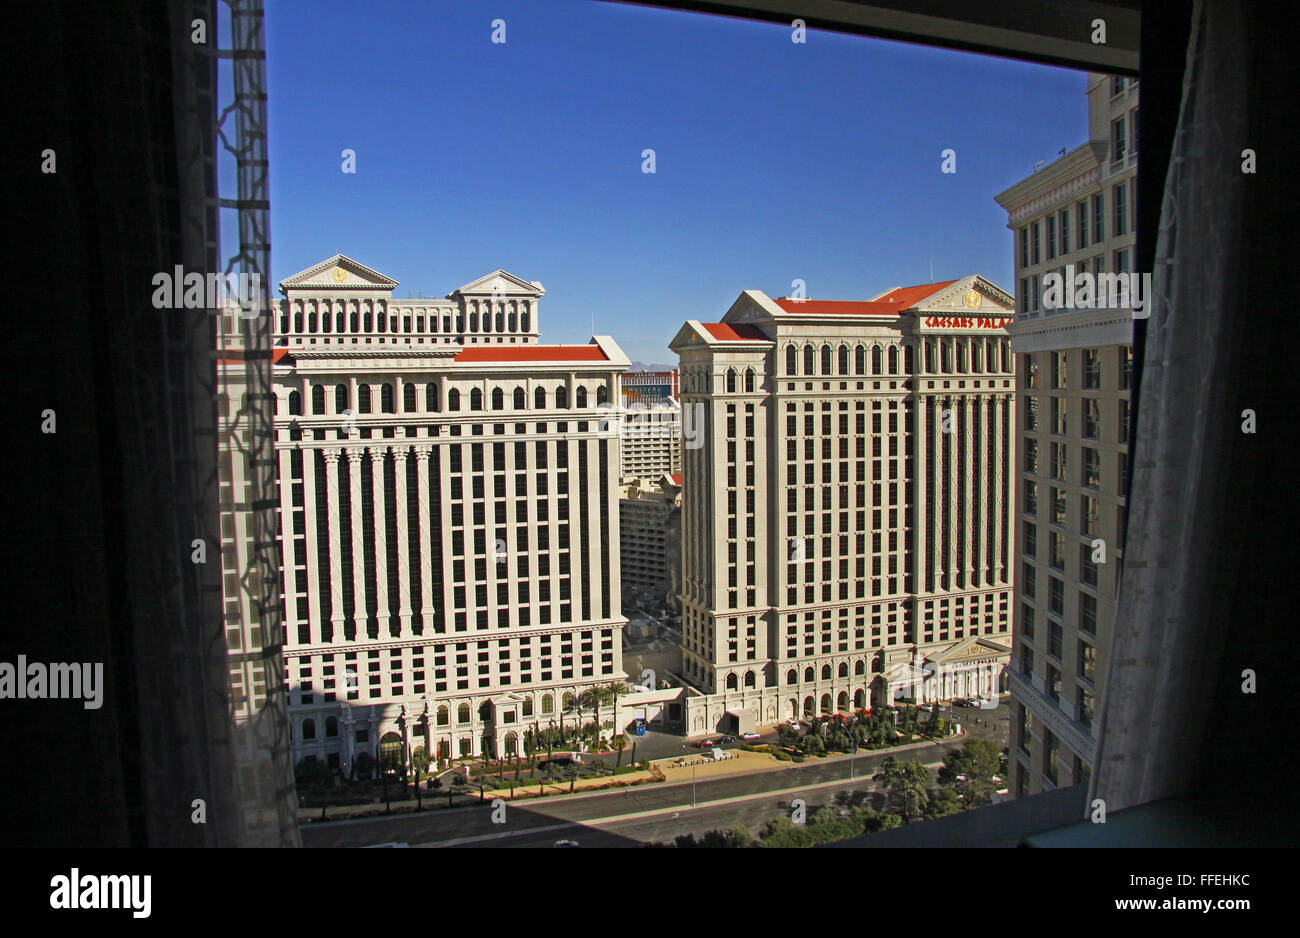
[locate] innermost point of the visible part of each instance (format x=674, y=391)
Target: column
x=380, y=510
x=968, y=429
x=1000, y=473
x=403, y=543
x=424, y=532
x=289, y=575
x=358, y=542
x=336, y=559
x=313, y=554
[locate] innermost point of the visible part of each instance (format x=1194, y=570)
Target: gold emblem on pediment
x=339, y=274
x=972, y=299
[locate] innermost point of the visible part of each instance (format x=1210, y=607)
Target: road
x=635, y=816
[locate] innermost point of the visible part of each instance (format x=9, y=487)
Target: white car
x=749, y=736
x=565, y=843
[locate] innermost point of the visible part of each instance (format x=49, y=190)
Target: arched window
x=893, y=359
x=860, y=667
x=826, y=703
x=842, y=702
x=844, y=359
x=511, y=323
x=808, y=360
x=444, y=716
x=808, y=706
x=539, y=399
x=731, y=681
x=826, y=359
x=473, y=322
x=859, y=361
x=749, y=379
x=339, y=321
x=548, y=704
x=453, y=399
x=929, y=357
x=309, y=728
x=368, y=320
x=602, y=395
x=528, y=706
x=431, y=397
x=318, y=399
x=844, y=669
x=340, y=398
x=462, y=713
x=523, y=319
x=877, y=362
x=749, y=678
x=808, y=674
x=363, y=399
x=501, y=318
x=498, y=399
x=331, y=727
x=521, y=399
x=792, y=676
x=567, y=701
x=408, y=397
x=859, y=699
x=878, y=663
x=826, y=672
x=907, y=359
x=476, y=399
x=945, y=356
x=731, y=380
x=961, y=355
x=562, y=397
x=791, y=360
x=295, y=404
x=387, y=399
x=975, y=357
x=354, y=321
x=582, y=397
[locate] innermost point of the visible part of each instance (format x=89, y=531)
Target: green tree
x=977, y=762
x=905, y=783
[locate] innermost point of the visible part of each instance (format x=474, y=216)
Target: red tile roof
x=677, y=478
x=892, y=303
x=735, y=332
x=532, y=353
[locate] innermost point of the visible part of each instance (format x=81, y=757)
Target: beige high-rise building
x=846, y=520
x=1073, y=217
x=449, y=516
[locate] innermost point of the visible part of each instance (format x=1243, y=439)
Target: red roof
x=677, y=478
x=737, y=332
x=891, y=304
x=532, y=353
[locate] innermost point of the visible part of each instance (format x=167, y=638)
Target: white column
x=336, y=560
x=380, y=512
x=313, y=554
x=425, y=534
x=358, y=542
x=403, y=542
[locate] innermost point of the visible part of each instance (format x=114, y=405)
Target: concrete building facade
x=449, y=516
x=846, y=520
x=1074, y=216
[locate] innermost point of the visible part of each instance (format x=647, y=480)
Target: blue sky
x=774, y=161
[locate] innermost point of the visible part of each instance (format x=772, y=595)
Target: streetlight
x=853, y=751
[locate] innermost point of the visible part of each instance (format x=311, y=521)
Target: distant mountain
x=642, y=366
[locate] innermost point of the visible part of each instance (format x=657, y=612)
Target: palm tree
x=592, y=697
x=612, y=691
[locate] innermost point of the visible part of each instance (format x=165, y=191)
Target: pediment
x=968, y=649
x=970, y=296
x=501, y=283
x=338, y=272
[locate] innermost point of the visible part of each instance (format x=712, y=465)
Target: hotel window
x=1117, y=143
x=1091, y=467
x=1058, y=461
x=1056, y=596
x=1125, y=366
x=1051, y=237
x=1024, y=724
x=1087, y=614
x=1027, y=579
x=1087, y=569
x=1117, y=83
x=1031, y=539
x=1083, y=706
x=1026, y=660
x=1051, y=761
x=1057, y=541
x=1059, y=369
x=1053, y=682
x=1023, y=299
x=1031, y=497
x=1088, y=514
x=1031, y=371
x=1058, y=416
x=1055, y=637
x=1036, y=294
x=1034, y=246
x=1031, y=413
x=1024, y=247
x=1091, y=417
x=1098, y=265
x=1031, y=455
x=1091, y=369
x=1098, y=218
x=1133, y=131
x=1065, y=231
x=1121, y=261
x=1087, y=667
x=1123, y=421
x=1121, y=208
x=1081, y=212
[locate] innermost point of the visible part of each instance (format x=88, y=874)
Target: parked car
x=705, y=744
x=566, y=843
x=727, y=739
x=749, y=736
x=925, y=708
